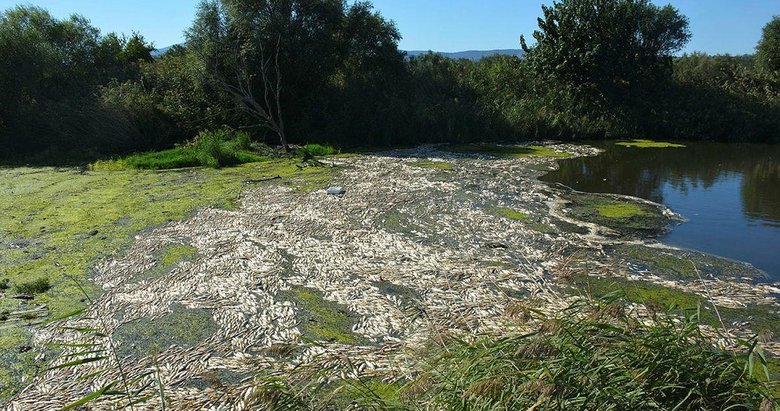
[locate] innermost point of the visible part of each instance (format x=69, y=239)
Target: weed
x=214, y=149
x=5, y=284
x=319, y=150
x=595, y=357
x=34, y=287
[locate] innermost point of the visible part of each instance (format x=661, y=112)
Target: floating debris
x=336, y=191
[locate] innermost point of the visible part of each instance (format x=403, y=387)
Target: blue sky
x=718, y=26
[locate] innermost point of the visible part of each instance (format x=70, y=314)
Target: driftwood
x=262, y=180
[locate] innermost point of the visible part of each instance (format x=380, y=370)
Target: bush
x=215, y=149
x=34, y=287
x=319, y=150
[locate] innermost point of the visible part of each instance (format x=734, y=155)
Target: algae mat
x=57, y=223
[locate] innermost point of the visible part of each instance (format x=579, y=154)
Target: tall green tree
x=768, y=50
x=279, y=58
x=612, y=45
x=50, y=72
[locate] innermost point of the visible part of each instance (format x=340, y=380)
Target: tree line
x=329, y=71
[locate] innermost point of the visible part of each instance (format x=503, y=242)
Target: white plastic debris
x=336, y=191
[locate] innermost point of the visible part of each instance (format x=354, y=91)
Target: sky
x=718, y=26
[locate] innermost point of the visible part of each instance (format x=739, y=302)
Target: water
x=729, y=192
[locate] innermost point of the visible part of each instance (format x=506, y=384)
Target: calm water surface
x=729, y=192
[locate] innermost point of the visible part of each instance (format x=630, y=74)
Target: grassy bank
x=593, y=355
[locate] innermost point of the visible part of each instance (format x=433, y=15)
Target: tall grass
x=594, y=355
x=215, y=149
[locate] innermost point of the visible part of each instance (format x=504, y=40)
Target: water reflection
x=731, y=191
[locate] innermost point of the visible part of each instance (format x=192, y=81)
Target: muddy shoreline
x=424, y=240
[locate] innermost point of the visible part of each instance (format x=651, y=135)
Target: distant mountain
x=160, y=52
x=468, y=55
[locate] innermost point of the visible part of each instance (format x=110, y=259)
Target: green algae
x=167, y=259
x=17, y=360
x=620, y=210
x=436, y=165
x=760, y=318
x=406, y=294
x=509, y=214
x=69, y=220
x=627, y=217
x=649, y=144
x=176, y=254
x=57, y=223
x=685, y=264
x=181, y=327
x=514, y=151
x=323, y=320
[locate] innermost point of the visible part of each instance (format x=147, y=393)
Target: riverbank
x=423, y=240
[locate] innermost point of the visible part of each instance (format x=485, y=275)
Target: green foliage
x=768, y=50
x=606, y=45
x=50, y=70
x=593, y=357
x=214, y=149
x=33, y=287
x=319, y=150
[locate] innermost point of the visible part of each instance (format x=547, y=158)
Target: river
x=730, y=193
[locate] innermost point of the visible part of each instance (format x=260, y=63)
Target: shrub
x=319, y=150
x=4, y=284
x=214, y=149
x=34, y=287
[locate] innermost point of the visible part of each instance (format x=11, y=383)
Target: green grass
x=592, y=355
x=649, y=144
x=214, y=149
x=319, y=150
x=513, y=151
x=620, y=210
x=437, y=165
